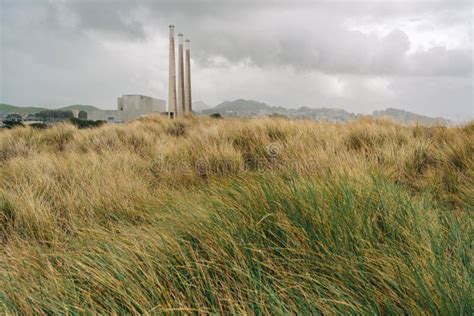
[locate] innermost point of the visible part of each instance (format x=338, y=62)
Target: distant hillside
x=406, y=117
x=8, y=108
x=244, y=106
x=250, y=108
x=87, y=108
x=199, y=106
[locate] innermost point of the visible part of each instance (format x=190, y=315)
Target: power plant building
x=133, y=106
x=130, y=107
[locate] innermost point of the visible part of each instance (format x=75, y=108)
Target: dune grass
x=262, y=216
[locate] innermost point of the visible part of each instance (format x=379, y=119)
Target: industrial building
x=134, y=106
x=129, y=107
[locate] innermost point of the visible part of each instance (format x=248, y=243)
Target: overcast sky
x=356, y=55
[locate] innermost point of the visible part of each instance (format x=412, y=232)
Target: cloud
x=356, y=55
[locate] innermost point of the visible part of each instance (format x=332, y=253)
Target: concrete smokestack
x=188, y=95
x=172, y=75
x=181, y=105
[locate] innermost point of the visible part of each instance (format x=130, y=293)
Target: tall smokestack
x=180, y=76
x=188, y=95
x=172, y=76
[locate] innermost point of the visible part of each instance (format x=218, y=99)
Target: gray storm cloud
x=62, y=52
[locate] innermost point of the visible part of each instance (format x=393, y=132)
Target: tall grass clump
x=232, y=216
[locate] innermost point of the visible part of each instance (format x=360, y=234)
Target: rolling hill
x=8, y=108
x=251, y=108
x=402, y=116
x=17, y=109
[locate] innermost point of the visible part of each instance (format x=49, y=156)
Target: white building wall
x=134, y=106
x=159, y=106
x=112, y=116
x=129, y=107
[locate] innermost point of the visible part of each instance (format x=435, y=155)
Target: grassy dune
x=262, y=216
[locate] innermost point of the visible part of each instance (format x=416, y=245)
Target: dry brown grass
x=241, y=216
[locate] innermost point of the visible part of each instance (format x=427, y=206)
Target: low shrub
x=82, y=124
x=215, y=116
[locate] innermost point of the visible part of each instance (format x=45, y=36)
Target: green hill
x=17, y=109
x=250, y=108
x=30, y=109
x=87, y=108
x=405, y=117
